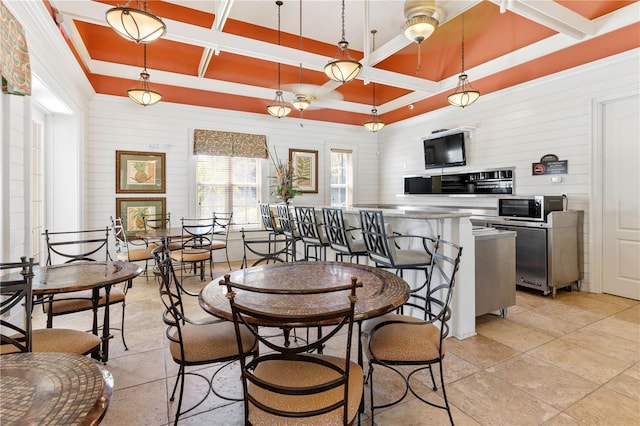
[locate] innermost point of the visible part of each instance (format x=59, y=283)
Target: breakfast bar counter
x=452, y=225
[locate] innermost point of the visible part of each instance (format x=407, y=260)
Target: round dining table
x=78, y=276
x=162, y=234
x=381, y=291
x=53, y=388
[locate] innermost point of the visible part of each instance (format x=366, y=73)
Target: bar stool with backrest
x=16, y=333
x=289, y=229
x=417, y=342
x=341, y=236
x=287, y=384
x=391, y=250
x=75, y=246
x=312, y=233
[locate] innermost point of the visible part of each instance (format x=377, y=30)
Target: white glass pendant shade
x=278, y=108
x=464, y=94
x=343, y=68
x=373, y=123
x=135, y=25
x=143, y=94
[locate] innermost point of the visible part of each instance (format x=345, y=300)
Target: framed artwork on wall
x=140, y=172
x=132, y=210
x=305, y=166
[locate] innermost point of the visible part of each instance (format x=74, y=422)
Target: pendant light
x=465, y=94
x=373, y=123
x=278, y=108
x=343, y=68
x=143, y=94
x=136, y=24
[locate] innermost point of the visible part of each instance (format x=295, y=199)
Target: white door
x=621, y=198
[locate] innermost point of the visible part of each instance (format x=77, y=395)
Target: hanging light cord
x=419, y=66
x=462, y=49
x=343, y=20
x=279, y=5
x=144, y=56
x=373, y=32
x=300, y=45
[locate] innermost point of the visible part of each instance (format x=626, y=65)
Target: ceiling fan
x=302, y=95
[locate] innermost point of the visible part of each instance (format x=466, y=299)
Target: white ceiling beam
x=222, y=14
x=207, y=38
x=552, y=15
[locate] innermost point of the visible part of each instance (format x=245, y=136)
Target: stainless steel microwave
x=534, y=208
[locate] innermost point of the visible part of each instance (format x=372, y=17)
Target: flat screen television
x=444, y=151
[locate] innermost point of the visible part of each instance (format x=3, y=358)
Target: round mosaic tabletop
x=53, y=388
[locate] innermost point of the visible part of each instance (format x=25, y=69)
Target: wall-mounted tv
x=444, y=151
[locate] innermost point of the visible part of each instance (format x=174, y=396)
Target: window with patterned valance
x=15, y=68
x=229, y=144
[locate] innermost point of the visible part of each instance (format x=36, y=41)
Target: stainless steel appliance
x=535, y=208
x=546, y=251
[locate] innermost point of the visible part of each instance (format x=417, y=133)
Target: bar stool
x=289, y=229
x=312, y=234
x=385, y=249
x=341, y=236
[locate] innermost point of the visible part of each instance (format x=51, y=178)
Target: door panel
x=621, y=198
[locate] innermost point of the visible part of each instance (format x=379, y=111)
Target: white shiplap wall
x=514, y=128
x=116, y=123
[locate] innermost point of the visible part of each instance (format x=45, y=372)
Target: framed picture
x=132, y=210
x=305, y=166
x=140, y=172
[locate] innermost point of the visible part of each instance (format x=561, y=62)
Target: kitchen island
x=451, y=225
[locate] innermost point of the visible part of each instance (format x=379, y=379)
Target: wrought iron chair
x=341, y=236
x=400, y=342
x=388, y=249
x=131, y=250
x=193, y=342
x=160, y=221
x=18, y=336
x=258, y=249
x=221, y=229
x=288, y=384
x=74, y=246
x=289, y=229
x=196, y=245
x=312, y=233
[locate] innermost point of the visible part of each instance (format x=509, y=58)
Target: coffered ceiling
x=224, y=54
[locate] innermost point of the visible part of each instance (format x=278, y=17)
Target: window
x=228, y=184
x=341, y=178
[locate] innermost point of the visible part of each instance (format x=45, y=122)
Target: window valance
x=14, y=55
x=230, y=144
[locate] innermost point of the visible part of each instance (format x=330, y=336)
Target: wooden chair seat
x=298, y=374
x=77, y=301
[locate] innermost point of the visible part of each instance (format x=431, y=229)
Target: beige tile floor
x=573, y=360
